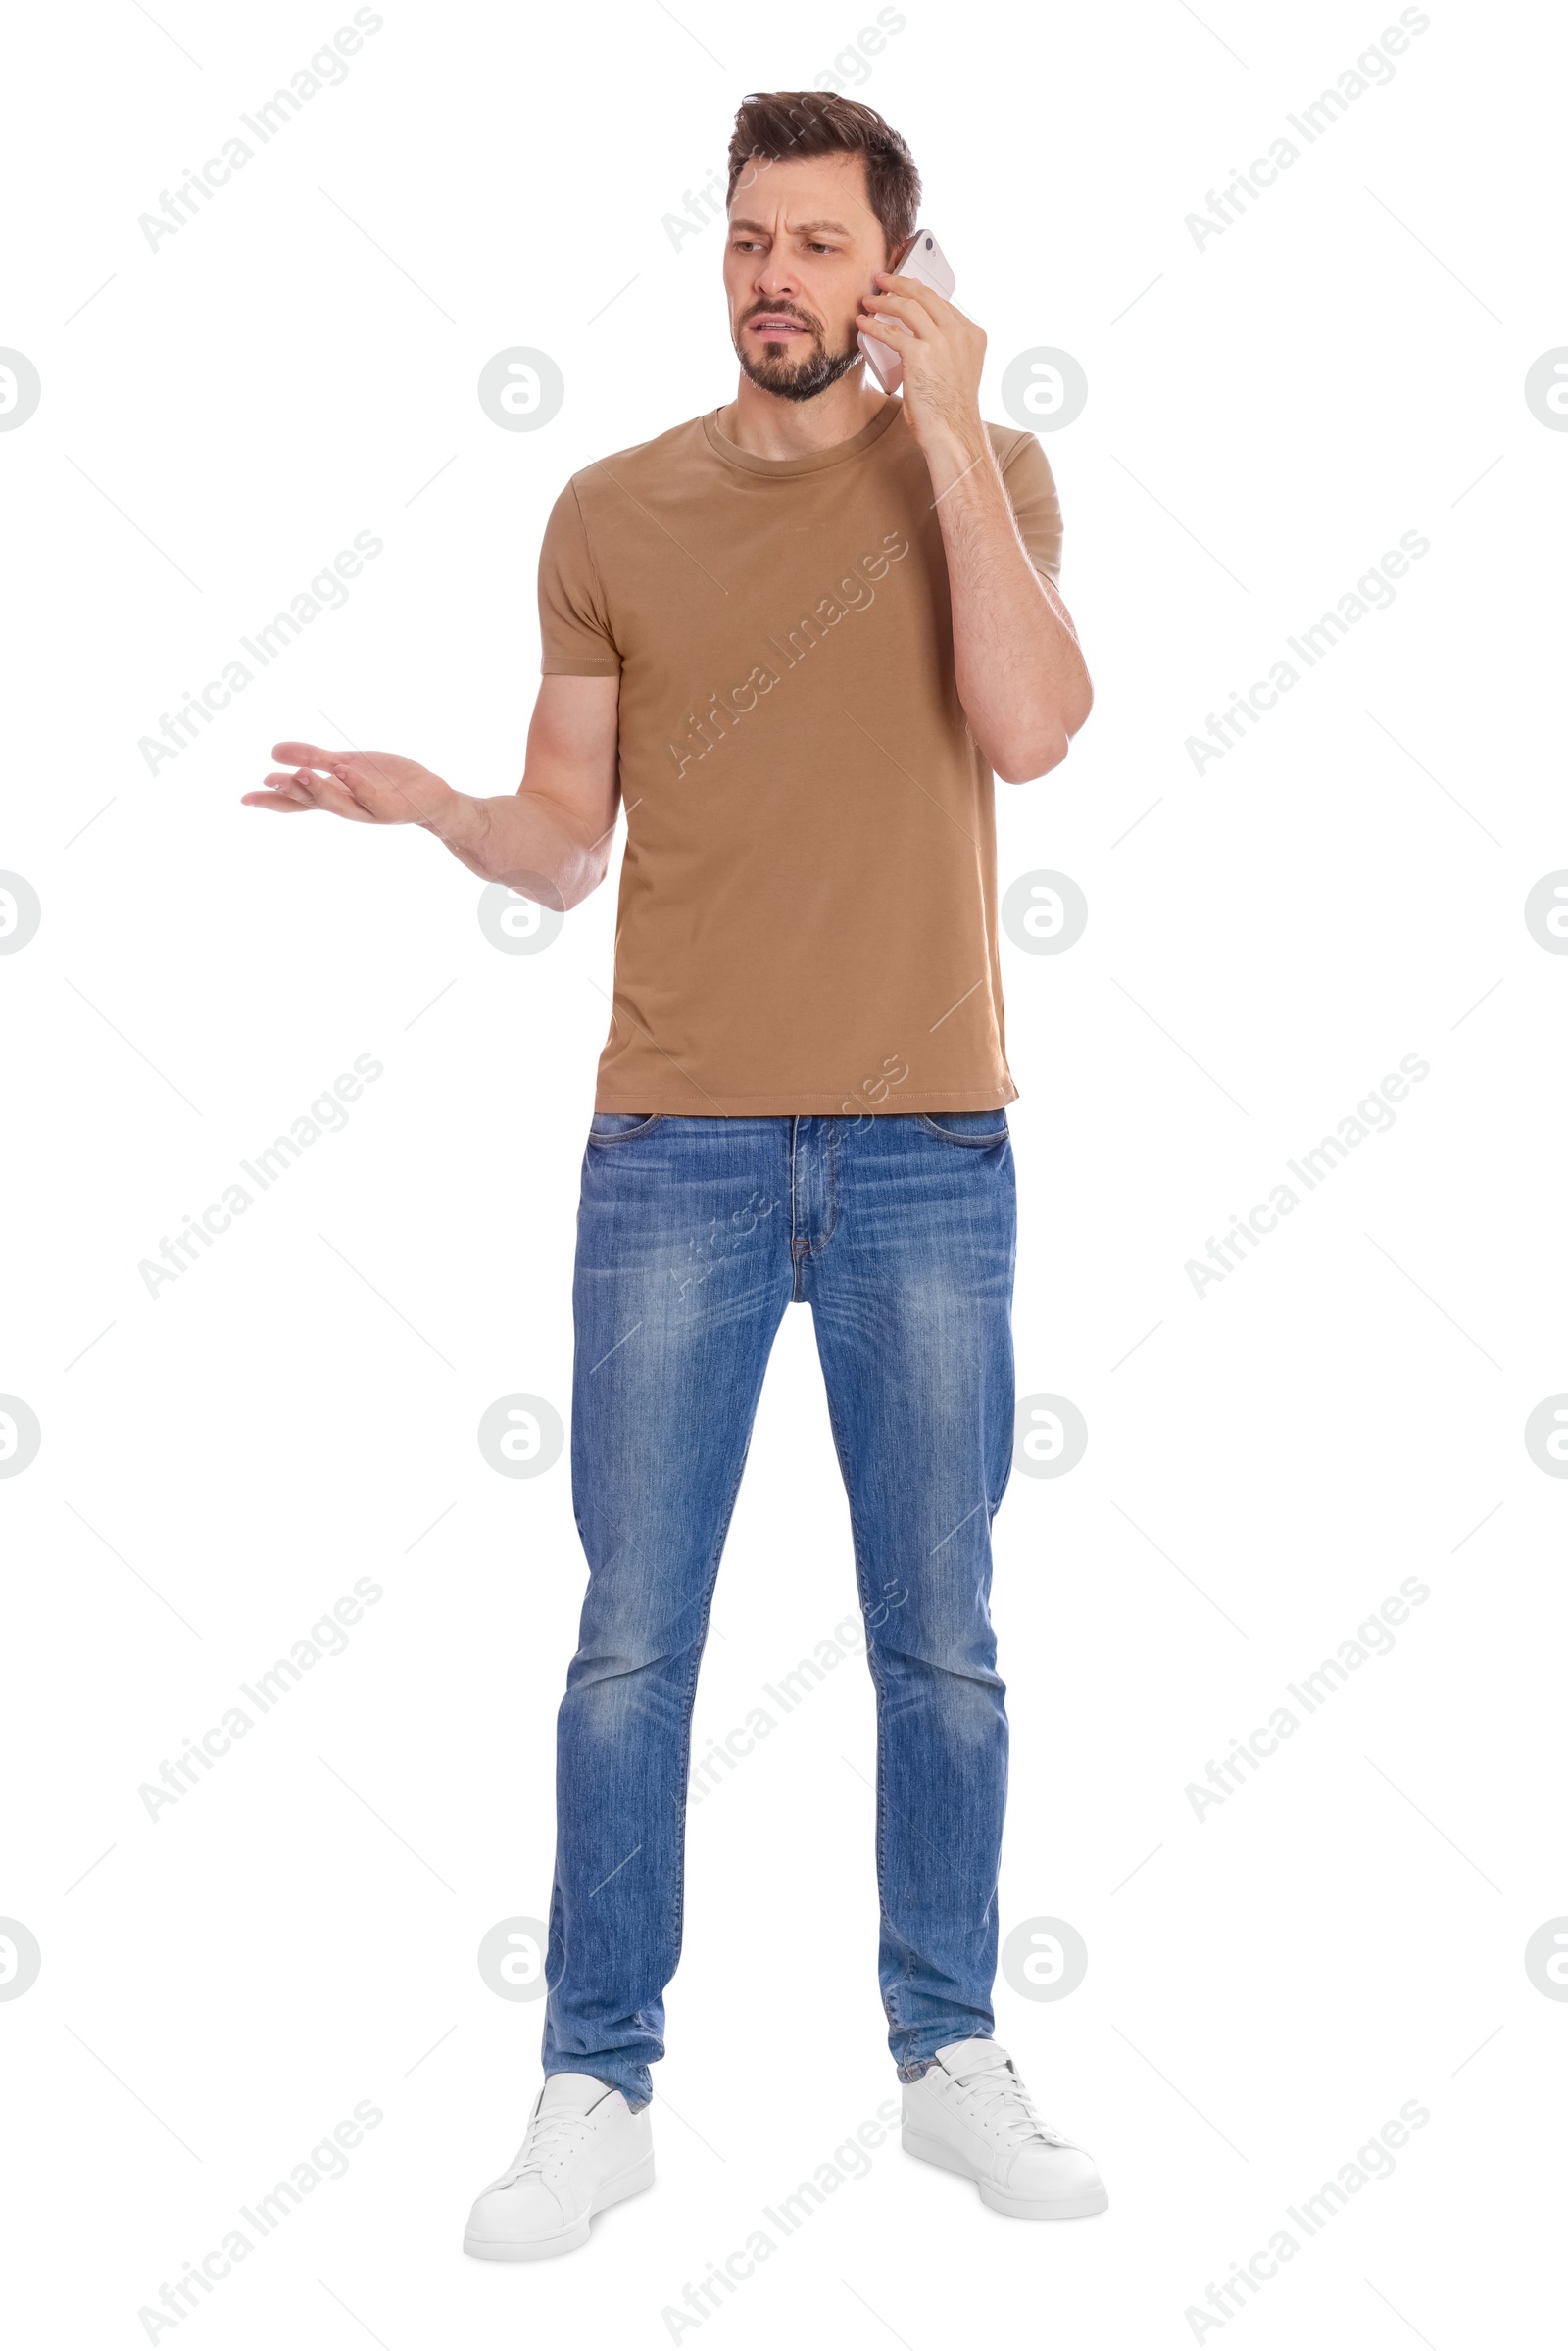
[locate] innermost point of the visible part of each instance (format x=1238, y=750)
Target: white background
x=1267, y=413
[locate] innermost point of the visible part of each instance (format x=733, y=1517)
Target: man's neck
x=765, y=426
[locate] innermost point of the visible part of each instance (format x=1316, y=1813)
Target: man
x=800, y=635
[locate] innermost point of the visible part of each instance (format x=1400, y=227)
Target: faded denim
x=693, y=1236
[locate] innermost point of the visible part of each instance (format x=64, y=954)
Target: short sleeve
x=1036, y=508
x=574, y=632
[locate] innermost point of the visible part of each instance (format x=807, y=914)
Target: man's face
x=802, y=245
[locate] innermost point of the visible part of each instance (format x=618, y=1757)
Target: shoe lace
x=552, y=2140
x=998, y=2096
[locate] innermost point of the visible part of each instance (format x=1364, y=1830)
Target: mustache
x=782, y=310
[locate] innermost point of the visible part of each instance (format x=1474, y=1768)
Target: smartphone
x=924, y=260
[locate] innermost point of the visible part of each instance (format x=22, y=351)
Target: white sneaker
x=970, y=2113
x=585, y=2149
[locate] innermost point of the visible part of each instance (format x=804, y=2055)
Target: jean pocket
x=620, y=1126
x=979, y=1130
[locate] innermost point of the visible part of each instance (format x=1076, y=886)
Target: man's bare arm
x=550, y=839
x=1016, y=660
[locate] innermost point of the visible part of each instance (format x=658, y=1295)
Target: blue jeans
x=693, y=1236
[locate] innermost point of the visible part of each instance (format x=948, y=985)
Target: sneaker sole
x=564, y=2240
x=1017, y=2208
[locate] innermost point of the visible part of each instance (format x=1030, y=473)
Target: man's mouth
x=778, y=322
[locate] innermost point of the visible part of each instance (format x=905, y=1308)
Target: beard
x=798, y=378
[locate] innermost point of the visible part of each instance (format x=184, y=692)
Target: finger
x=910, y=289
x=367, y=773
x=899, y=309
x=304, y=755
x=337, y=799
x=309, y=791
x=359, y=772
x=367, y=768
x=286, y=802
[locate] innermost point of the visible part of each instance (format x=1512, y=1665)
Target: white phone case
x=926, y=263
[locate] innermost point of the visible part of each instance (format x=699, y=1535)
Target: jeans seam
x=627, y=1134
x=832, y=1125
x=973, y=1143
x=797, y=1247
x=863, y=1584
x=683, y=1782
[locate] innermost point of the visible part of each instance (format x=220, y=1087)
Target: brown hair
x=778, y=124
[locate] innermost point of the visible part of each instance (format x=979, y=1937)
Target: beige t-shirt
x=807, y=916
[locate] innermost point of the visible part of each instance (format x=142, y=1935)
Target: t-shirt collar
x=816, y=460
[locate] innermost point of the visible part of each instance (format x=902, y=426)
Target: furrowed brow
x=804, y=228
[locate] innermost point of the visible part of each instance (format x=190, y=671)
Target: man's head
x=821, y=193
